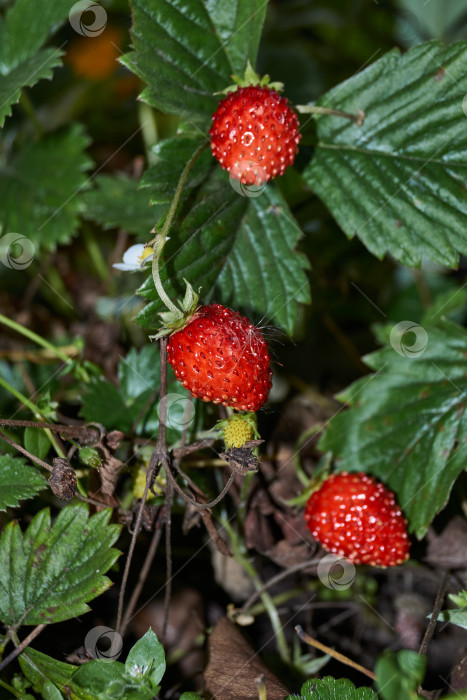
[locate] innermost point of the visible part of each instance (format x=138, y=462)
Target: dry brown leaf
x=234, y=667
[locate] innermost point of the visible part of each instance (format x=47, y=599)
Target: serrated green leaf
x=18, y=481
x=49, y=573
x=397, y=181
x=146, y=659
x=26, y=27
x=263, y=270
x=399, y=674
x=240, y=248
x=46, y=674
x=172, y=155
x=116, y=202
x=186, y=50
x=330, y=688
x=36, y=441
x=23, y=31
x=407, y=424
x=26, y=74
x=41, y=188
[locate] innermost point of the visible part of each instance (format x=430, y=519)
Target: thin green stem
x=95, y=254
x=34, y=337
x=35, y=410
x=161, y=238
x=240, y=556
x=358, y=118
x=10, y=689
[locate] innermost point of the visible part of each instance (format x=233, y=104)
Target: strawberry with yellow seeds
x=220, y=356
x=255, y=132
x=356, y=516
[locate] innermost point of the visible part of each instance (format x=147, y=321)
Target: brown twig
x=332, y=652
x=25, y=452
x=158, y=458
x=21, y=647
x=77, y=431
x=435, y=614
x=168, y=560
x=151, y=553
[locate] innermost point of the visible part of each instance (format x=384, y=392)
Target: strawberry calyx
x=177, y=318
x=251, y=77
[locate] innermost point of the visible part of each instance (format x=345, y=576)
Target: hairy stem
x=160, y=240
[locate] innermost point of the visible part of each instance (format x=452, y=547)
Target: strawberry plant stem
x=27, y=640
x=34, y=337
x=35, y=410
x=240, y=556
x=358, y=118
x=159, y=241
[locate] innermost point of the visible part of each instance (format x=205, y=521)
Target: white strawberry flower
x=135, y=258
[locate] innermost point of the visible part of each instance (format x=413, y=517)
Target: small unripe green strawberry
x=238, y=431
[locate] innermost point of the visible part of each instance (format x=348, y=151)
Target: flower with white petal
x=135, y=258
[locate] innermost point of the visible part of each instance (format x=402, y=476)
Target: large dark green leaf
x=50, y=572
x=23, y=31
x=398, y=180
x=407, y=423
x=41, y=187
x=185, y=50
x=26, y=74
x=18, y=481
x=239, y=248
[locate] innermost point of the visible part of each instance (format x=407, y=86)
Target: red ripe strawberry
x=357, y=517
x=254, y=134
x=221, y=357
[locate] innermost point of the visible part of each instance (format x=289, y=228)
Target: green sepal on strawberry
x=357, y=517
x=255, y=132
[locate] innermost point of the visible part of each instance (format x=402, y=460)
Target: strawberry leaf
x=407, y=423
x=329, y=688
x=50, y=572
x=47, y=675
x=22, y=63
x=18, y=480
x=397, y=181
x=41, y=185
x=187, y=50
x=400, y=674
x=239, y=249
